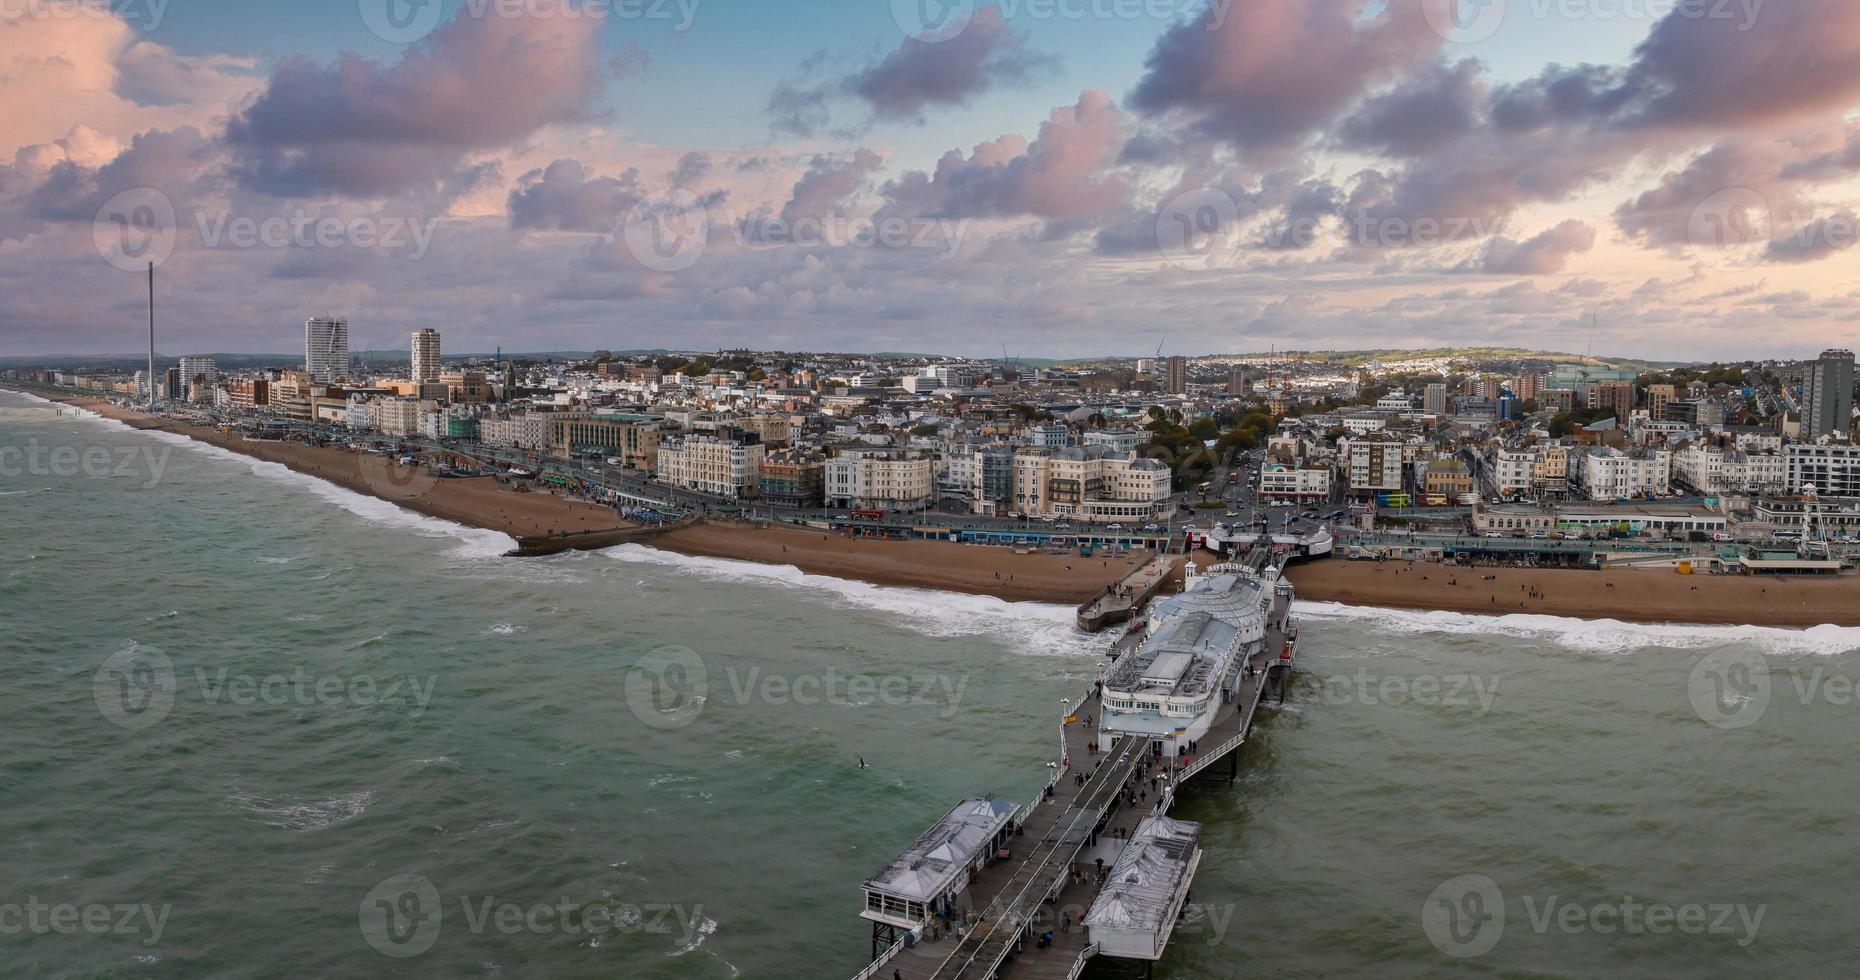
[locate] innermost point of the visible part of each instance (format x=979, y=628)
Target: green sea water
x=258, y=726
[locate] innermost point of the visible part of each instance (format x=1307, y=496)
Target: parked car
x=1114, y=527
x=1151, y=527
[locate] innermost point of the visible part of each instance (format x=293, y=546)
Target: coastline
x=543, y=522
x=1635, y=595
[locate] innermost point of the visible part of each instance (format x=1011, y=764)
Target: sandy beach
x=974, y=569
x=544, y=522
x=1642, y=595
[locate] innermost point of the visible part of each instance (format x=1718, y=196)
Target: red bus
x=868, y=515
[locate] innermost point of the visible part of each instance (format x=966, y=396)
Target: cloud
x=909, y=80
x=1816, y=240
x=1420, y=114
x=94, y=71
x=359, y=127
x=1264, y=74
x=1064, y=173
x=1787, y=61
x=1541, y=255
x=565, y=197
x=828, y=185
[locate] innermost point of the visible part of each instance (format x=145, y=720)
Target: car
x=1540, y=535
x=1152, y=527
x=1062, y=527
x=1232, y=513
x=1114, y=527
x=1491, y=534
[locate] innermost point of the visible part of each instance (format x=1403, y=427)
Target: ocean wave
x=1593, y=635
x=314, y=815
x=1036, y=628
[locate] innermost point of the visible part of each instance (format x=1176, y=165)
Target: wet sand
x=1641, y=595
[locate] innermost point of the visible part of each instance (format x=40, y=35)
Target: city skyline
x=1075, y=185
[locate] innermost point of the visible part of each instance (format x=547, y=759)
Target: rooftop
x=925, y=867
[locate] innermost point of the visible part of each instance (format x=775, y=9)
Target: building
x=425, y=356
x=1375, y=465
x=1658, y=397
x=1607, y=473
x=1828, y=395
x=199, y=376
x=1834, y=470
x=1238, y=384
x=1117, y=440
x=1175, y=375
x=939, y=865
x=1703, y=412
x=1434, y=399
x=402, y=417
x=1513, y=471
x=1550, y=472
x=880, y=478
x=1612, y=396
x=1279, y=483
x=465, y=387
x=1052, y=435
x=247, y=394
x=770, y=429
x=1754, y=473
x=1527, y=386
x=792, y=478
x=632, y=439
x=719, y=465
x=1091, y=483
x=326, y=348
x=529, y=431
x=1447, y=476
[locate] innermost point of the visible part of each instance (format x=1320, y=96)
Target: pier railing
x=1078, y=965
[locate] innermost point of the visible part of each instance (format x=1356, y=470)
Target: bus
x=1203, y=489
x=868, y=515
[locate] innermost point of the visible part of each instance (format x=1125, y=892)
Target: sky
x=1665, y=179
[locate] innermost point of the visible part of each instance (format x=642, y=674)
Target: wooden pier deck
x=1117, y=602
x=1005, y=910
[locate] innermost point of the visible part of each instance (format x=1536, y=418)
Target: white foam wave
x=1593, y=635
x=314, y=815
x=478, y=542
x=1036, y=628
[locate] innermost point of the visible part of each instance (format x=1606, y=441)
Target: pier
x=1121, y=599
x=1056, y=862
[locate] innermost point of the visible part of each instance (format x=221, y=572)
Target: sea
x=255, y=725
